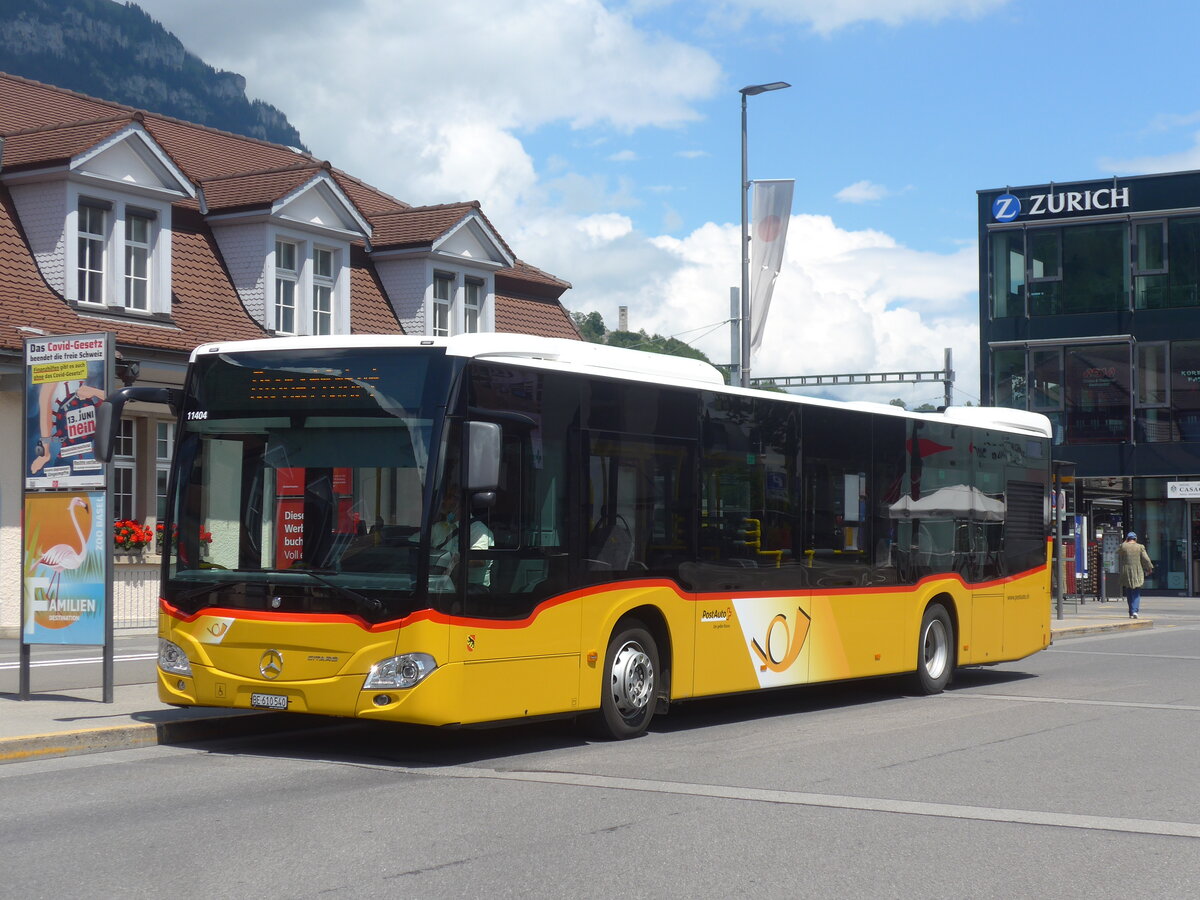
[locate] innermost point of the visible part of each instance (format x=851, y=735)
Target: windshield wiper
x=210, y=588
x=365, y=604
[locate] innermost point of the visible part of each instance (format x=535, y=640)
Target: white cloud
x=862, y=192
x=368, y=85
x=623, y=156
x=845, y=301
x=604, y=228
x=827, y=16
x=691, y=154
x=1171, y=162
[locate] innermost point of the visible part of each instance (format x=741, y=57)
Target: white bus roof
x=559, y=354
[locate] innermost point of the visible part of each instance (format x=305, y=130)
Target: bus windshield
x=300, y=478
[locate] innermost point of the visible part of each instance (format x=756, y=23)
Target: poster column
x=66, y=595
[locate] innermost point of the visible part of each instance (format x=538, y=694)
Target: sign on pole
x=66, y=571
x=772, y=212
x=65, y=380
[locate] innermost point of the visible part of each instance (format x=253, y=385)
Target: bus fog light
x=171, y=658
x=382, y=699
x=404, y=671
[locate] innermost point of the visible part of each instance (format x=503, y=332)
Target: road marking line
x=1174, y=707
x=829, y=801
x=1138, y=655
x=134, y=657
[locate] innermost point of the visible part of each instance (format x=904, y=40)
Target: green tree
x=898, y=402
x=591, y=326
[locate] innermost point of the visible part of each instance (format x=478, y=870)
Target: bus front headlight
x=399, y=672
x=171, y=658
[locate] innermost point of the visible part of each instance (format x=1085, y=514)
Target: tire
x=629, y=690
x=935, y=651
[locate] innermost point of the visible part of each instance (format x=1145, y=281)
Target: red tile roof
x=56, y=144
x=418, y=225
x=255, y=189
x=522, y=315
x=41, y=125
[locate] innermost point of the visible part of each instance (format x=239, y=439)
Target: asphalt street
x=1063, y=775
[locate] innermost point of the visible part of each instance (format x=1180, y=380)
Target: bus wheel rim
x=936, y=648
x=632, y=679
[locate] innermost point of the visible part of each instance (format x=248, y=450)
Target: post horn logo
x=792, y=643
x=270, y=665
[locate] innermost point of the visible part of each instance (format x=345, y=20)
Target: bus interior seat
x=611, y=545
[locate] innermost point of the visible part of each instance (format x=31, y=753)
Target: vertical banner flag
x=772, y=209
x=65, y=571
x=64, y=383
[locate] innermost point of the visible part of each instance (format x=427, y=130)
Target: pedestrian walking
x=1135, y=566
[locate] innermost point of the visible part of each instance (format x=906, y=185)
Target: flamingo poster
x=65, y=572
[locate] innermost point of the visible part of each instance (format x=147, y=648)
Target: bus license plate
x=269, y=701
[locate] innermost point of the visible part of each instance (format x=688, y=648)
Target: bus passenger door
x=519, y=649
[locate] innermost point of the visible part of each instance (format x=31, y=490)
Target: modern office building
x=1090, y=313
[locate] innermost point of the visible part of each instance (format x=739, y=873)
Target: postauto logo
x=1005, y=208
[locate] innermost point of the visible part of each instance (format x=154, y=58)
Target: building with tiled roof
x=169, y=234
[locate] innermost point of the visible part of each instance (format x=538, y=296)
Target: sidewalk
x=79, y=722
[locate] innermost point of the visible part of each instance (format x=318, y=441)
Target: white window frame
x=324, y=287
x=124, y=462
x=113, y=271
x=474, y=290
x=135, y=250
x=309, y=284
x=287, y=282
x=441, y=307
x=91, y=251
x=164, y=450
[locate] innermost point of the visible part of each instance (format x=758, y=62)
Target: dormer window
x=118, y=260
x=322, y=291
x=443, y=299
x=100, y=225
x=138, y=237
x=472, y=305
x=286, y=276
x=93, y=233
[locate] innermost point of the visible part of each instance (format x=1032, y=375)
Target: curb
x=129, y=737
x=1070, y=631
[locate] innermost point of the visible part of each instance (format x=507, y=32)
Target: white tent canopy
x=955, y=501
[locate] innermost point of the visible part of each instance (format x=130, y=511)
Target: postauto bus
x=482, y=528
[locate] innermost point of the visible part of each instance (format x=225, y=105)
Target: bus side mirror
x=483, y=457
x=108, y=413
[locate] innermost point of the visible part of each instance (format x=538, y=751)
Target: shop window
x=1097, y=394
x=1046, y=370
x=1045, y=272
x=1080, y=269
x=1008, y=274
x=1185, y=389
x=1008, y=378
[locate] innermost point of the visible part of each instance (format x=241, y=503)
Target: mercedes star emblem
x=271, y=664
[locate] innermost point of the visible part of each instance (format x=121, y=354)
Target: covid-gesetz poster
x=64, y=383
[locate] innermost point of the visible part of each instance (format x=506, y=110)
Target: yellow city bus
x=482, y=528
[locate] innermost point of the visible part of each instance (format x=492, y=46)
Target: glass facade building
x=1090, y=313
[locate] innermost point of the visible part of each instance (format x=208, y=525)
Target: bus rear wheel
x=935, y=650
x=629, y=692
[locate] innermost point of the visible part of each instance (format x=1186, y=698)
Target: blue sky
x=603, y=140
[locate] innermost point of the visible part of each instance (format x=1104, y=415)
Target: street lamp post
x=748, y=91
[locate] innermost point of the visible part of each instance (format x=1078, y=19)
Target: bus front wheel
x=629, y=691
x=935, y=650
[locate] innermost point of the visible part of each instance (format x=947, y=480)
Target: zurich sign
x=1005, y=208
